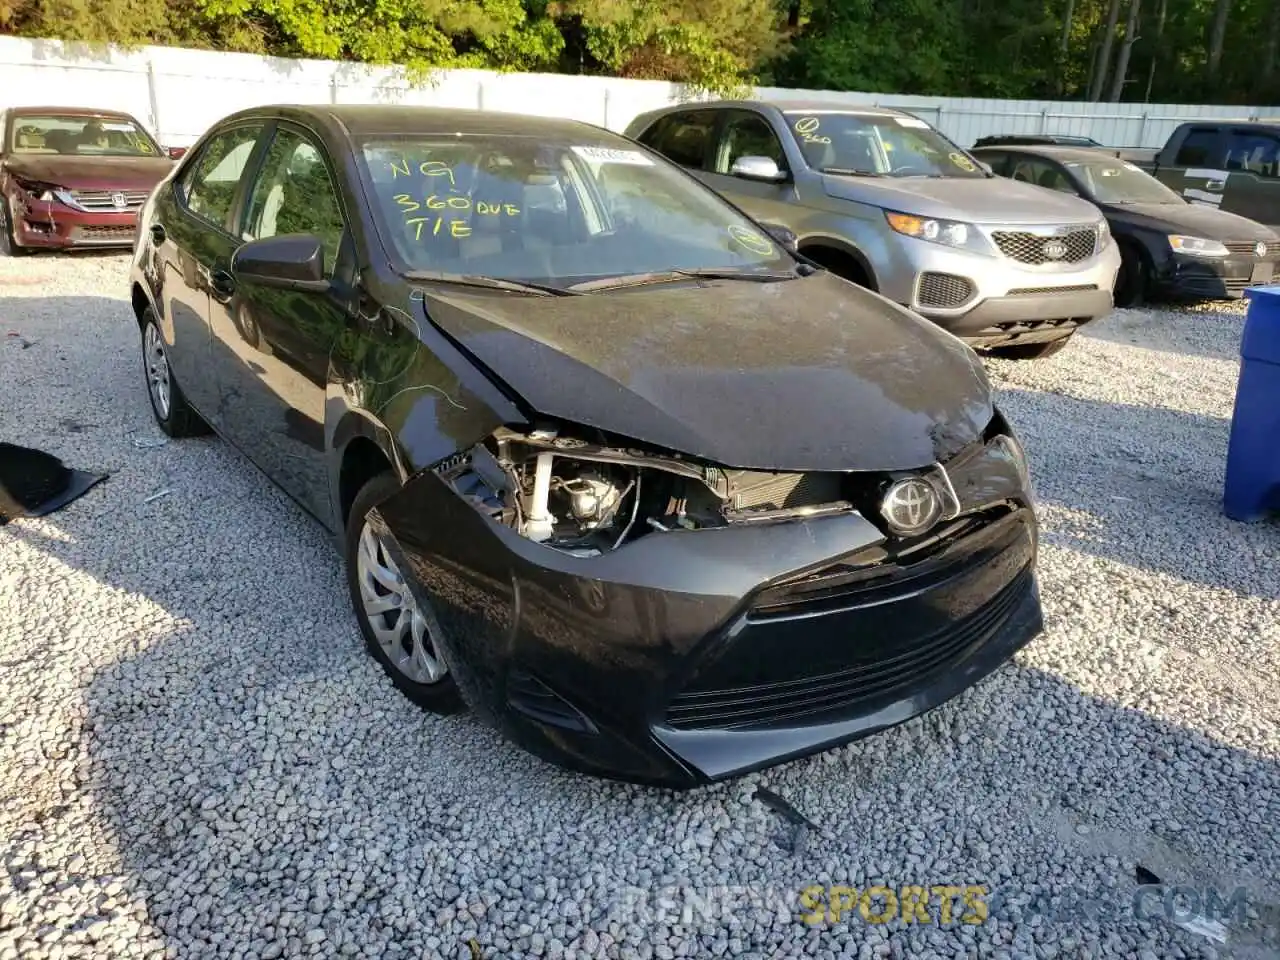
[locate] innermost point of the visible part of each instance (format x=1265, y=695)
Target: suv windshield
x=1115, y=181
x=81, y=136
x=553, y=212
x=876, y=145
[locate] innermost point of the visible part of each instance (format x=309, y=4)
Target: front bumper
x=691, y=656
x=1204, y=278
x=993, y=300
x=52, y=225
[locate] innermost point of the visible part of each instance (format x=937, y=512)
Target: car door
x=1253, y=181
x=281, y=339
x=746, y=133
x=1198, y=171
x=190, y=230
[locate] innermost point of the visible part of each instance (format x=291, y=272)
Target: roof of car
x=396, y=119
x=1051, y=150
x=67, y=112
x=786, y=106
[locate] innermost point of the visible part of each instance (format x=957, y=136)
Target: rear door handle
x=157, y=234
x=222, y=283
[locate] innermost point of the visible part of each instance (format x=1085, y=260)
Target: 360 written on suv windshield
x=552, y=212
x=878, y=145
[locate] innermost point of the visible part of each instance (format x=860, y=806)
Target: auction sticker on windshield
x=961, y=161
x=750, y=239
x=913, y=122
x=610, y=155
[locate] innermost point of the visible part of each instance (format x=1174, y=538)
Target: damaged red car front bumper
x=97, y=219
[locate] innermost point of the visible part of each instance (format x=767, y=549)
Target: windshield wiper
x=850, y=172
x=665, y=276
x=491, y=283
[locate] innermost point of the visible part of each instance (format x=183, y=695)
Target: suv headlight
x=1197, y=246
x=1104, y=233
x=45, y=192
x=951, y=233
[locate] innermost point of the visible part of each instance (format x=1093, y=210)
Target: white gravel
x=198, y=759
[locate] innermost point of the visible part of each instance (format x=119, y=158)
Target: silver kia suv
x=885, y=200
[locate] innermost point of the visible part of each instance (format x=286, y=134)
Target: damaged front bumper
x=688, y=656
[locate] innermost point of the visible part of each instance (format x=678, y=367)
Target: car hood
x=1192, y=219
x=805, y=374
x=993, y=200
x=92, y=173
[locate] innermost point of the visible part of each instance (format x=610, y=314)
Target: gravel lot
x=198, y=759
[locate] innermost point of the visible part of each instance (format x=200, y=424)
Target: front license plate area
x=1262, y=273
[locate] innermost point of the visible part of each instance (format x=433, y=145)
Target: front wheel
x=399, y=634
x=168, y=403
x=8, y=244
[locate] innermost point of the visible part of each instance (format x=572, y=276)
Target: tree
x=1103, y=63
x=1126, y=47
x=1221, y=12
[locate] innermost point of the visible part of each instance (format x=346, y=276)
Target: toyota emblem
x=1054, y=249
x=118, y=200
x=911, y=507
x=1260, y=249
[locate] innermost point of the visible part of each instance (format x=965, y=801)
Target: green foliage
x=992, y=48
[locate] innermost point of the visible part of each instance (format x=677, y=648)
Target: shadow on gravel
x=1143, y=486
x=1201, y=331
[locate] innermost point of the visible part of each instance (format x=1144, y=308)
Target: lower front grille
x=1037, y=249
x=943, y=290
x=104, y=234
x=1035, y=291
x=792, y=701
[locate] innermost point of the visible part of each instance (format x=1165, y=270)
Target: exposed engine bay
x=589, y=498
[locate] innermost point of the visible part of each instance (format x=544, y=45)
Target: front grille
x=105, y=234
x=943, y=290
x=104, y=200
x=1030, y=247
x=770, y=704
x=1247, y=248
x=1035, y=291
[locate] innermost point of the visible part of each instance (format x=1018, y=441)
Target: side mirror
x=293, y=261
x=986, y=167
x=757, y=168
x=783, y=236
x=176, y=153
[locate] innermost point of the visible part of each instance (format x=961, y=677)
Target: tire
x=1032, y=351
x=1133, y=279
x=8, y=245
x=397, y=649
x=168, y=403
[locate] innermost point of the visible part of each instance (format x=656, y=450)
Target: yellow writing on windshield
x=428, y=168
x=751, y=240
x=807, y=128
x=448, y=214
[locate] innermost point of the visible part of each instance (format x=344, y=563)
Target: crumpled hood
x=1192, y=219
x=806, y=374
x=92, y=173
x=967, y=199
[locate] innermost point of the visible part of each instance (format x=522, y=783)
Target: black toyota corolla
x=610, y=464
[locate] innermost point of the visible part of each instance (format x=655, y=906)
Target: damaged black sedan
x=610, y=464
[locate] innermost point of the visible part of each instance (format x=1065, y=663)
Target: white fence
x=179, y=93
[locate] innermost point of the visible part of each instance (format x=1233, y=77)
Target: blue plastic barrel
x=1252, y=488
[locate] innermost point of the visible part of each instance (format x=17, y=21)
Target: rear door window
x=747, y=134
x=683, y=138
x=210, y=187
x=1199, y=149
x=1251, y=152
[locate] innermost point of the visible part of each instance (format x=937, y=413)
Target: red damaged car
x=74, y=177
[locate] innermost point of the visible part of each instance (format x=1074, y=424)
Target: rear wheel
x=399, y=634
x=8, y=245
x=168, y=403
x=1132, y=280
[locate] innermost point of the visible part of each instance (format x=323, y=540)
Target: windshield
x=878, y=146
x=554, y=212
x=81, y=137
x=1115, y=181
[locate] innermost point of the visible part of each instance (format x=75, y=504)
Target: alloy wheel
x=393, y=614
x=157, y=366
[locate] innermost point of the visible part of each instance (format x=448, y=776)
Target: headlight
x=1197, y=246
x=948, y=232
x=44, y=192
x=1104, y=233
x=64, y=197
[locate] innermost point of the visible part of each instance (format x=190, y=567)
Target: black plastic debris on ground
x=34, y=483
x=796, y=840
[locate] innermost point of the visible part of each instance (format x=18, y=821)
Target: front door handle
x=222, y=284
x=157, y=234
